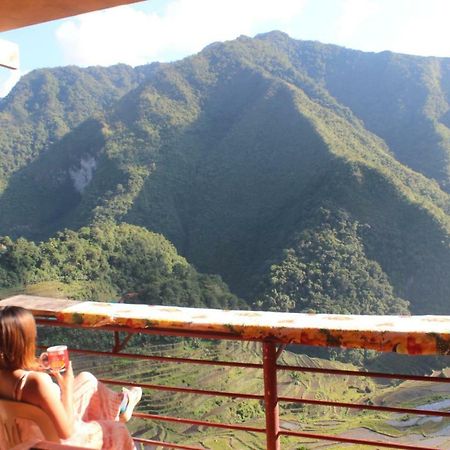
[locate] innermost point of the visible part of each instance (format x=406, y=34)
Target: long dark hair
x=17, y=338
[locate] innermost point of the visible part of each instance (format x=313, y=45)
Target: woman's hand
x=65, y=379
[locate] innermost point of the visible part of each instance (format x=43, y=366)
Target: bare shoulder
x=39, y=387
x=39, y=378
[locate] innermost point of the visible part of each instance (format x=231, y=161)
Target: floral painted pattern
x=414, y=335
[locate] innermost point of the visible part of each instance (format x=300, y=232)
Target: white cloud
x=354, y=14
x=126, y=34
x=425, y=31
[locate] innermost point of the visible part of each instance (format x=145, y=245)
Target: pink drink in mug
x=56, y=358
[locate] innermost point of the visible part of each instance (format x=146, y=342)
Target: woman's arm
x=65, y=382
x=57, y=403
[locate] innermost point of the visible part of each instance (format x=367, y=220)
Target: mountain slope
x=47, y=104
x=237, y=152
x=401, y=98
x=108, y=262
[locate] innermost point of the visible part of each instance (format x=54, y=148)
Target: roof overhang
x=22, y=13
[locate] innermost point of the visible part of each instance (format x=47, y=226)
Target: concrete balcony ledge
x=415, y=335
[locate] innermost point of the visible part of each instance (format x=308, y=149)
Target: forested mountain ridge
x=245, y=156
x=403, y=99
x=104, y=262
x=49, y=103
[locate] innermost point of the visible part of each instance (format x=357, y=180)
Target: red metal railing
x=270, y=396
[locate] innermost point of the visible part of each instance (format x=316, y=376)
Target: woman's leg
x=101, y=434
x=93, y=400
x=97, y=409
x=116, y=436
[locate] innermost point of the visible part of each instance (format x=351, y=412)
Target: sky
x=167, y=30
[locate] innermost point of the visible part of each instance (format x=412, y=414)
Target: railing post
x=271, y=396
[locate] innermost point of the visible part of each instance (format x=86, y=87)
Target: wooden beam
x=22, y=13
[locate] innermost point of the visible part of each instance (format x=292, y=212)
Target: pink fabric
x=96, y=411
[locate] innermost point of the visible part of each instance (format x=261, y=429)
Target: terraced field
x=330, y=420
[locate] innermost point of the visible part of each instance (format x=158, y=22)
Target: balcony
x=277, y=373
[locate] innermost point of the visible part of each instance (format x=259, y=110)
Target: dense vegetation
x=326, y=270
x=307, y=176
x=111, y=261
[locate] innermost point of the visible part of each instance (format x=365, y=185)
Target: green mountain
x=108, y=262
x=308, y=176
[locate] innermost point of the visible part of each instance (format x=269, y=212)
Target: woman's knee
x=86, y=377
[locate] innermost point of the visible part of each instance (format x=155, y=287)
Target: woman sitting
x=84, y=411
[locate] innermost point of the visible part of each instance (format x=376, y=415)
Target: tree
x=326, y=271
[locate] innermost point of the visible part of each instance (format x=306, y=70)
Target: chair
x=11, y=410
